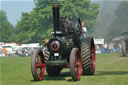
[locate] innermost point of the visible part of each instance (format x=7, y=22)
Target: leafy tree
x=73, y=8
x=37, y=24
x=6, y=28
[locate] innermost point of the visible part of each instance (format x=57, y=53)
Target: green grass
x=110, y=70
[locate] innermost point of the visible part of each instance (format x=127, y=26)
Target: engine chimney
x=56, y=16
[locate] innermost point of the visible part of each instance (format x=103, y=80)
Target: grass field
x=110, y=70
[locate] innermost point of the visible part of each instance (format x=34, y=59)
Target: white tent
x=34, y=44
x=99, y=41
x=24, y=45
x=31, y=45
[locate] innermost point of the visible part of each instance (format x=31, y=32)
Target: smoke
x=106, y=17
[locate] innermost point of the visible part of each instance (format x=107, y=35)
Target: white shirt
x=84, y=29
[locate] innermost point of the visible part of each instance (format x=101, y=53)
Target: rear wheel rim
x=39, y=66
x=78, y=68
x=77, y=65
x=93, y=59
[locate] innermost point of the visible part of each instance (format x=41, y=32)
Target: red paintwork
x=57, y=43
x=93, y=59
x=40, y=65
x=67, y=65
x=77, y=69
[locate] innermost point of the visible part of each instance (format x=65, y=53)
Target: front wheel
x=75, y=64
x=38, y=65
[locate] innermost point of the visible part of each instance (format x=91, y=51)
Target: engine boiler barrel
x=56, y=16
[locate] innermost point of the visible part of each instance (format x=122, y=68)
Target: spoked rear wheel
x=75, y=64
x=88, y=56
x=38, y=65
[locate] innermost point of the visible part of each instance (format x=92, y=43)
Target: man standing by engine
x=84, y=30
x=68, y=25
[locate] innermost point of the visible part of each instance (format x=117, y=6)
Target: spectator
x=5, y=51
x=68, y=25
x=84, y=30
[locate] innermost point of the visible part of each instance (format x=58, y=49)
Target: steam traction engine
x=64, y=50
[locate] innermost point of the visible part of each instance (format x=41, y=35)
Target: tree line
x=37, y=25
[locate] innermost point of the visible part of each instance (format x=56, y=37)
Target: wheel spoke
x=75, y=64
x=79, y=67
x=40, y=64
